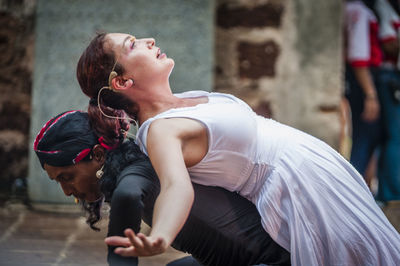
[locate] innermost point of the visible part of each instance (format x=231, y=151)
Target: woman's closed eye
x=133, y=41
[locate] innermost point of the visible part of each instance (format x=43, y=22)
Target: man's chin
x=94, y=199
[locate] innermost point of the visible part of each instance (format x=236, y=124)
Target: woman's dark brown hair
x=93, y=70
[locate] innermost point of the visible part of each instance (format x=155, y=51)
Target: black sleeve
x=132, y=200
x=222, y=229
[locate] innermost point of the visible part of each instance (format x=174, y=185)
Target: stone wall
x=283, y=57
x=16, y=62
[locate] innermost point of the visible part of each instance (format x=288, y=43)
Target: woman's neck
x=161, y=104
x=175, y=102
x=154, y=99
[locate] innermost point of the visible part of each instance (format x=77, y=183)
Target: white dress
x=311, y=200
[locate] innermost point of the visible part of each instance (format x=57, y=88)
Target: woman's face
x=78, y=180
x=142, y=61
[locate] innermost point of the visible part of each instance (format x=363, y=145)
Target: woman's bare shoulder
x=178, y=127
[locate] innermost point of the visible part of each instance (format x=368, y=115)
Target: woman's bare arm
x=165, y=141
x=164, y=146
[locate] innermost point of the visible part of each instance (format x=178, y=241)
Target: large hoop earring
x=117, y=117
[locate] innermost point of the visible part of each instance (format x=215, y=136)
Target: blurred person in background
x=363, y=58
x=389, y=84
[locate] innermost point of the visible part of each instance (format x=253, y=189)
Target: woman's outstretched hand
x=137, y=245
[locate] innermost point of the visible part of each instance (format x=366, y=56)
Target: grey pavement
x=56, y=235
x=392, y=211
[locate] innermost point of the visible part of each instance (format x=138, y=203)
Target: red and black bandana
x=65, y=139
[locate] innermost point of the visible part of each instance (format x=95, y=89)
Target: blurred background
x=285, y=58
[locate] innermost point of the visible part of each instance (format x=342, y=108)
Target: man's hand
x=371, y=109
x=137, y=245
x=371, y=104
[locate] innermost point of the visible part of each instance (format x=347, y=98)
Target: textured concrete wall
x=16, y=63
x=183, y=29
x=284, y=58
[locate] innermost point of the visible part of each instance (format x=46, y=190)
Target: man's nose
x=66, y=188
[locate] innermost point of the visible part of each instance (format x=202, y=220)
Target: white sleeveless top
x=232, y=161
x=311, y=200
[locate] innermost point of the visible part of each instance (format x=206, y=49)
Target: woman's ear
x=121, y=84
x=99, y=153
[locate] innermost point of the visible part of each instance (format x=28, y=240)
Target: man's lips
x=79, y=196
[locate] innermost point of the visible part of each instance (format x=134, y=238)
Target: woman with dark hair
x=222, y=228
x=311, y=200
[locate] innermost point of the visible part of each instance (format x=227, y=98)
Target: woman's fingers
x=148, y=244
x=135, y=241
x=151, y=242
x=136, y=244
x=153, y=246
x=126, y=252
x=145, y=240
x=118, y=241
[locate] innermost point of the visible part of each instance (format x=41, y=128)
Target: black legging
x=222, y=229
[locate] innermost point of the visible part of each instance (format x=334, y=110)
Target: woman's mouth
x=160, y=55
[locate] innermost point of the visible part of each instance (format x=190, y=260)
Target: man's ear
x=120, y=84
x=99, y=153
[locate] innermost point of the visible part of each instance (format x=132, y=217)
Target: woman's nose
x=150, y=42
x=67, y=189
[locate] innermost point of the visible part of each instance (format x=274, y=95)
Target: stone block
x=263, y=108
x=257, y=60
x=266, y=15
